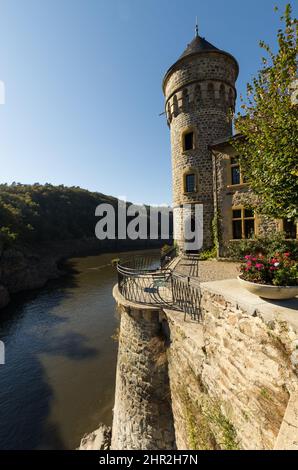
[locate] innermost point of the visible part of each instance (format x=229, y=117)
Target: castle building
x=200, y=93
x=235, y=221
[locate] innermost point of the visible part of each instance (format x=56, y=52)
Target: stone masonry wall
x=231, y=377
x=199, y=93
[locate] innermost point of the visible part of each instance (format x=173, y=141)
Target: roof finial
x=197, y=27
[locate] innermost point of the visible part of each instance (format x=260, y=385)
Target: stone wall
x=224, y=383
x=142, y=412
x=231, y=377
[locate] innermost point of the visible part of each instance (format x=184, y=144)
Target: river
x=59, y=375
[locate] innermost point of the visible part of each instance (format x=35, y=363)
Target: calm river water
x=59, y=377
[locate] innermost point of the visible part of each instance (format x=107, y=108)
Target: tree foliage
x=269, y=150
x=40, y=213
x=37, y=213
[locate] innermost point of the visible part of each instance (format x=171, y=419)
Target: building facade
x=235, y=221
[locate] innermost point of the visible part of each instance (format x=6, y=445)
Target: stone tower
x=199, y=92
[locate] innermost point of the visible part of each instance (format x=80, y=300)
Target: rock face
x=97, y=440
x=231, y=377
x=22, y=270
x=30, y=267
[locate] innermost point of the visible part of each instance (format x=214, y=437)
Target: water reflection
x=59, y=377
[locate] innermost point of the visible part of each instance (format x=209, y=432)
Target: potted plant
x=272, y=277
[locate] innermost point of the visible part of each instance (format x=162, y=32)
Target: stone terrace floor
x=205, y=271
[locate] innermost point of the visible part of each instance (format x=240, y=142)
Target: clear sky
x=83, y=85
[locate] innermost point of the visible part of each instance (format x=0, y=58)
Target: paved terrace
x=206, y=271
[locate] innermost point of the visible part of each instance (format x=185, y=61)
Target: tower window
x=190, y=183
x=243, y=223
x=188, y=141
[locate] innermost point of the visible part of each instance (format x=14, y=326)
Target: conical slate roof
x=198, y=44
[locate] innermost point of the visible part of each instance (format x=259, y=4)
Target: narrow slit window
x=188, y=143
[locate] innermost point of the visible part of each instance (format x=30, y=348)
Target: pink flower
x=259, y=266
x=254, y=259
x=247, y=256
x=287, y=255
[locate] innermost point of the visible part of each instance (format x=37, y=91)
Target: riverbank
x=31, y=267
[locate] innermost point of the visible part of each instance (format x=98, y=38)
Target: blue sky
x=83, y=85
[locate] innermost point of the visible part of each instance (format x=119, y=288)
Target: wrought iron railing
x=143, y=280
x=168, y=255
x=186, y=295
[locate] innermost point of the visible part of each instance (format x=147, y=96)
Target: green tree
x=268, y=151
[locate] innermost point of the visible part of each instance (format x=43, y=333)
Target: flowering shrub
x=277, y=270
x=269, y=245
